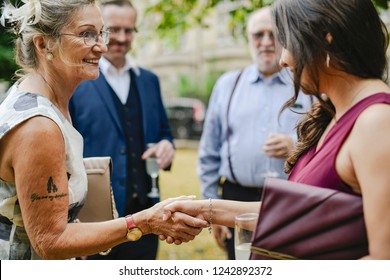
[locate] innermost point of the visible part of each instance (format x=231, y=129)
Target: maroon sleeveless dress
x=318, y=168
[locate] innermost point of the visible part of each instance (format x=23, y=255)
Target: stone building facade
x=200, y=57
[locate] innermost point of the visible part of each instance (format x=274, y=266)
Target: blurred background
x=188, y=44
x=183, y=180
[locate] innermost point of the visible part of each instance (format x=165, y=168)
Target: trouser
x=233, y=191
x=142, y=249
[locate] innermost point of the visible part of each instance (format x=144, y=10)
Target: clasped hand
x=178, y=210
x=174, y=227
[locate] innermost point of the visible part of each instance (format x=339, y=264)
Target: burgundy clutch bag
x=299, y=221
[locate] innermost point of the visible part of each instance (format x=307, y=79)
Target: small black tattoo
x=51, y=187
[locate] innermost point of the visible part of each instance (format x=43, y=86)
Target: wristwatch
x=133, y=233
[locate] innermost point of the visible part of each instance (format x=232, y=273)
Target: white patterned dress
x=17, y=107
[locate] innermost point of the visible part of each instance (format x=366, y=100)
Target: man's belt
x=223, y=180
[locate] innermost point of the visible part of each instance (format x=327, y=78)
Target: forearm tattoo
x=51, y=192
x=51, y=187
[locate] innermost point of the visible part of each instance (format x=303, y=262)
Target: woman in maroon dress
x=336, y=51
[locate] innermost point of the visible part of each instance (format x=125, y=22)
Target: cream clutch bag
x=99, y=205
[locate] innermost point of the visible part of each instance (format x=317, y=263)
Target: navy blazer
x=94, y=115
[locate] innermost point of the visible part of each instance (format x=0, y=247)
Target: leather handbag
x=299, y=221
x=99, y=204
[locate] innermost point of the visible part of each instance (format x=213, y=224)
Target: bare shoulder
x=372, y=126
x=374, y=117
x=37, y=137
x=37, y=129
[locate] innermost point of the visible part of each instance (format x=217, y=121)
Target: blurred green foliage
x=172, y=18
x=197, y=88
x=7, y=61
x=383, y=4
x=7, y=55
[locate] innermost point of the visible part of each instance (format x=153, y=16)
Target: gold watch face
x=134, y=234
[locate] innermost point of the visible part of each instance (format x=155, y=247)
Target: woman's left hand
x=278, y=145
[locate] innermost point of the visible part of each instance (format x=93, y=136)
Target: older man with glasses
x=118, y=115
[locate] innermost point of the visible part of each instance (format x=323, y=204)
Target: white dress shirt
x=119, y=79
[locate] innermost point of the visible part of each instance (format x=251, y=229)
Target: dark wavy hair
x=358, y=47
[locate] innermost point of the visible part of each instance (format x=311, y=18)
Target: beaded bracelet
x=210, y=215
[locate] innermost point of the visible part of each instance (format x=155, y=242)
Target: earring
x=327, y=60
x=49, y=56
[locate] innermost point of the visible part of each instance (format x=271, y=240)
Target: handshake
x=175, y=220
x=180, y=219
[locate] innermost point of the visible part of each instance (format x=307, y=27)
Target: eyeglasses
x=91, y=38
x=115, y=30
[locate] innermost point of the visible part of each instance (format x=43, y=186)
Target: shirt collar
x=130, y=63
x=284, y=76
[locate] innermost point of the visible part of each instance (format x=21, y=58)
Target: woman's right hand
x=180, y=227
